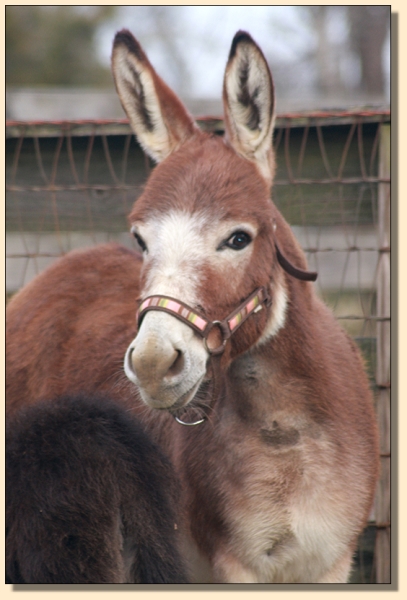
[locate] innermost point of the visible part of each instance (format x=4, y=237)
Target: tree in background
x=163, y=32
x=330, y=50
x=368, y=30
x=345, y=50
x=55, y=45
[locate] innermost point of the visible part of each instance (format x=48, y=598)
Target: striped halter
x=211, y=331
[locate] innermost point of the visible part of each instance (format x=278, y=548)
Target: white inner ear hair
x=249, y=97
x=140, y=101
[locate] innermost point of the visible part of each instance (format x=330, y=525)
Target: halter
x=225, y=328
x=199, y=323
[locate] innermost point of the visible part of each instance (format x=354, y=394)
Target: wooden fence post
x=382, y=503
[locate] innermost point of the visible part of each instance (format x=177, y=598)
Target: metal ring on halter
x=225, y=334
x=189, y=424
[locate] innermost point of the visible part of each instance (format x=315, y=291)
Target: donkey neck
x=259, y=373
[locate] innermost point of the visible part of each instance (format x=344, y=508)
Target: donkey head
x=205, y=222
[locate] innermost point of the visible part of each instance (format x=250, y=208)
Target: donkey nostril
x=155, y=361
x=177, y=366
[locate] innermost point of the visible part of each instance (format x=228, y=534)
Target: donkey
x=237, y=369
x=89, y=497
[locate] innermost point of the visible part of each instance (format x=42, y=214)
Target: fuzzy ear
x=157, y=116
x=248, y=98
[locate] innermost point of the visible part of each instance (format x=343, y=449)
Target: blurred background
x=58, y=57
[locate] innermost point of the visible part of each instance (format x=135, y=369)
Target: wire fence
x=72, y=184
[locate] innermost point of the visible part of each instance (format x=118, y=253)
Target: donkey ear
x=248, y=98
x=157, y=116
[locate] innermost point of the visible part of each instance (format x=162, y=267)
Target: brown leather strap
x=294, y=271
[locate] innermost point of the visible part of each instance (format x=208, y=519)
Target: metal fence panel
x=72, y=184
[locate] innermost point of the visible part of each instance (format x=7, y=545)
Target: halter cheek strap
x=197, y=321
x=294, y=271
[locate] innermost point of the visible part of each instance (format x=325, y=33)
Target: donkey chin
x=166, y=361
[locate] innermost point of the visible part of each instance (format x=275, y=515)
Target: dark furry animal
x=90, y=498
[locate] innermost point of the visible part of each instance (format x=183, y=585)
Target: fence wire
x=72, y=184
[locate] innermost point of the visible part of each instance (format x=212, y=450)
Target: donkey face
x=205, y=220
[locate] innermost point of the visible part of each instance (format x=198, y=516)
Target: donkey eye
x=139, y=240
x=238, y=240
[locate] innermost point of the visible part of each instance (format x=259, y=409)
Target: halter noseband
x=199, y=323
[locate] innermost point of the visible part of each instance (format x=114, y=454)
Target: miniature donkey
x=232, y=363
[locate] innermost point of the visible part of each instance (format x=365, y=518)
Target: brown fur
x=291, y=445
x=89, y=497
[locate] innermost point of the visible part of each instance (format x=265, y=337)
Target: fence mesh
x=72, y=184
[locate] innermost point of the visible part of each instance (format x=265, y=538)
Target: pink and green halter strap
x=199, y=322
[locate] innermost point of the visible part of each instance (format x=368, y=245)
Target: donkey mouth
x=187, y=397
x=197, y=406
x=164, y=402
